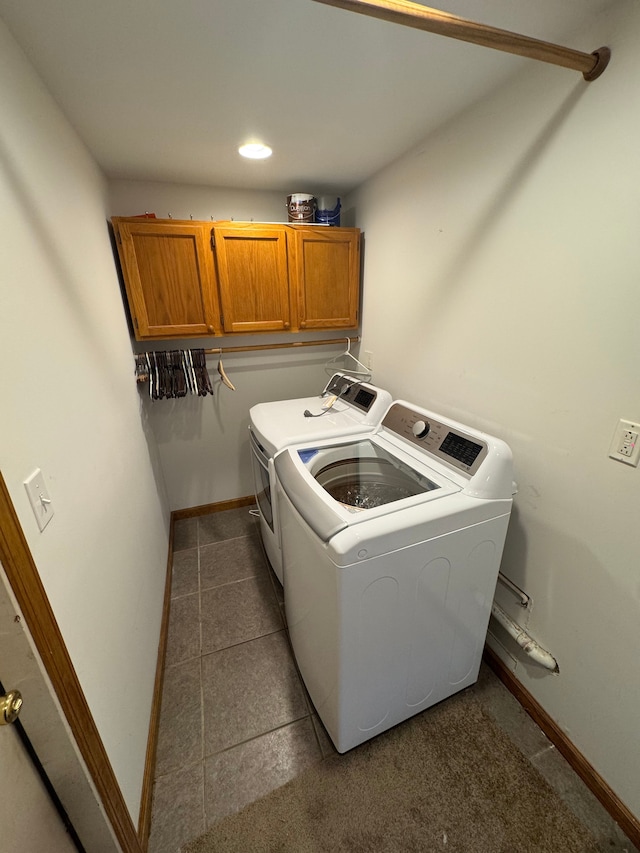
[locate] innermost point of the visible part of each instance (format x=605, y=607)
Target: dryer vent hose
x=524, y=640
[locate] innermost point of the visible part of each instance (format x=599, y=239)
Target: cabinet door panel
x=327, y=265
x=253, y=277
x=170, y=278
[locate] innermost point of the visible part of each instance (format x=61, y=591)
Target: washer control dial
x=420, y=429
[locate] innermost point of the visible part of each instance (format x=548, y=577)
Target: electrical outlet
x=629, y=439
x=39, y=498
x=368, y=359
x=625, y=446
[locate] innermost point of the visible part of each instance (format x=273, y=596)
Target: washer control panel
x=464, y=450
x=357, y=394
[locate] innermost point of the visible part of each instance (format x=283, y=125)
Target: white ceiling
x=167, y=89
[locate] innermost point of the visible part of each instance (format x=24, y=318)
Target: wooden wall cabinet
x=169, y=277
x=196, y=279
x=253, y=277
x=325, y=266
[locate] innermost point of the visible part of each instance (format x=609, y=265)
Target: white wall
x=182, y=201
x=203, y=443
x=69, y=405
x=501, y=287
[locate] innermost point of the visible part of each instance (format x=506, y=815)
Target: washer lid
x=281, y=423
x=343, y=483
x=359, y=407
x=362, y=475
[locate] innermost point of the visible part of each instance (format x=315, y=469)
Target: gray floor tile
x=239, y=776
x=183, y=640
x=185, y=534
x=277, y=586
x=509, y=714
x=180, y=730
x=178, y=812
x=581, y=801
x=226, y=525
x=184, y=574
x=326, y=744
x=238, y=612
x=278, y=589
x=249, y=690
x=231, y=560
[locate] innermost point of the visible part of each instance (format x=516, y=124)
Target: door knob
x=10, y=705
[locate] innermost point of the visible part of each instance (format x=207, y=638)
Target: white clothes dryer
x=391, y=544
x=346, y=406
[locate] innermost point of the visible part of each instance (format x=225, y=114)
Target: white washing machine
x=391, y=543
x=357, y=408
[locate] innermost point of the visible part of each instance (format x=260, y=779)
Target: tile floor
x=236, y=721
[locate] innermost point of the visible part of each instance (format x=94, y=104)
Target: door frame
x=31, y=598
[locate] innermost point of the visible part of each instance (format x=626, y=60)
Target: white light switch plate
x=625, y=446
x=39, y=498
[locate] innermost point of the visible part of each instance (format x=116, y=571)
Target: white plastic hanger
x=360, y=370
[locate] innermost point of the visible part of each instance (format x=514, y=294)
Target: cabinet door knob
x=286, y=325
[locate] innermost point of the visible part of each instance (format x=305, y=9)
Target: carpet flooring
x=448, y=780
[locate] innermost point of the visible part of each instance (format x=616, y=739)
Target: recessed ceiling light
x=255, y=151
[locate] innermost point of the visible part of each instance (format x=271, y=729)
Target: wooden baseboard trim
x=592, y=779
x=146, y=799
x=205, y=509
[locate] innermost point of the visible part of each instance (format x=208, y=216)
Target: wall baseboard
x=205, y=509
x=592, y=779
x=146, y=798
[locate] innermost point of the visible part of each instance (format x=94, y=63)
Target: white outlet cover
x=39, y=498
x=618, y=440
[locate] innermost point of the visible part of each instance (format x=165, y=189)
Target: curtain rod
x=442, y=23
x=255, y=347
